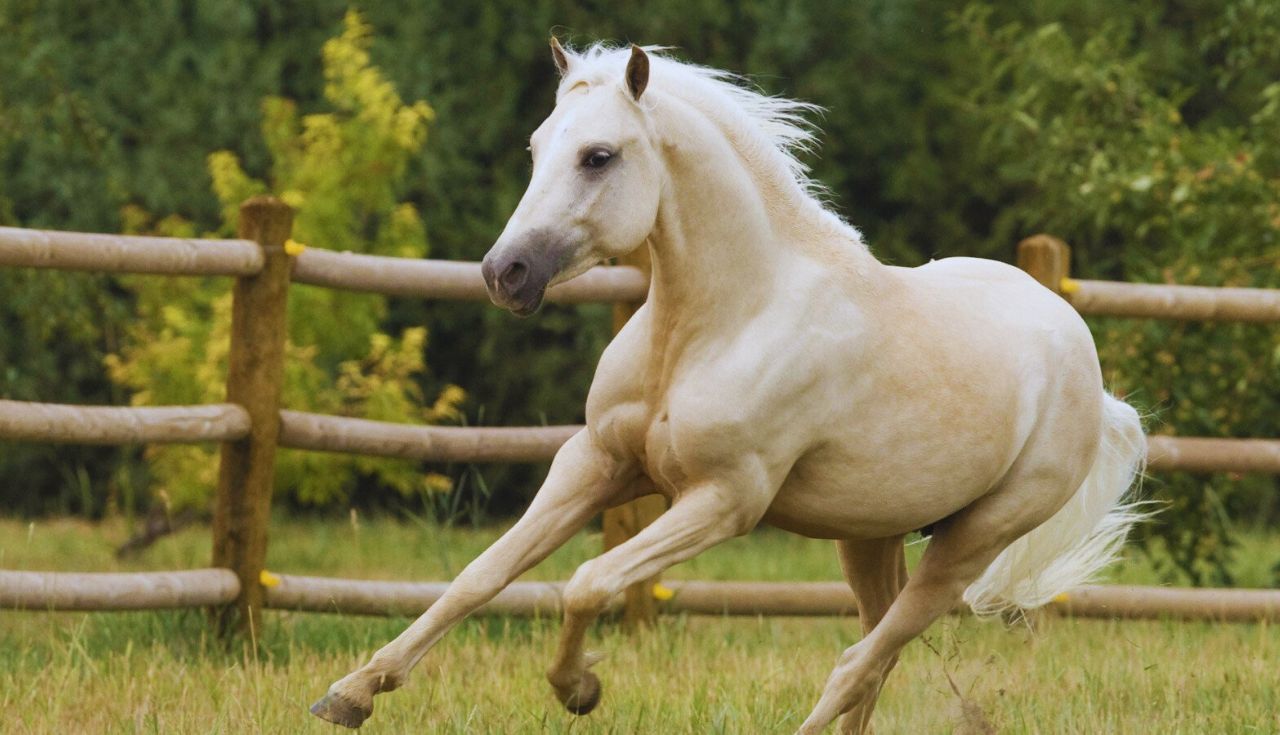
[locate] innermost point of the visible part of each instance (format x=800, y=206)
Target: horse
x=778, y=372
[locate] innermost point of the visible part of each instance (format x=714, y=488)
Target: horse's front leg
x=583, y=481
x=697, y=520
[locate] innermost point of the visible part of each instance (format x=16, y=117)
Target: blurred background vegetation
x=1145, y=134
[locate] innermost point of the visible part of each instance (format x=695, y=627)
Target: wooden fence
x=252, y=424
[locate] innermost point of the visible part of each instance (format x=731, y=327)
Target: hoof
x=587, y=696
x=340, y=711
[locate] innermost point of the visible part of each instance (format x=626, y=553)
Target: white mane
x=771, y=131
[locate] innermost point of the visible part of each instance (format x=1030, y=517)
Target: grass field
x=161, y=673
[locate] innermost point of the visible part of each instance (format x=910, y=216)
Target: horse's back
x=966, y=278
x=999, y=317
x=979, y=268
x=999, y=297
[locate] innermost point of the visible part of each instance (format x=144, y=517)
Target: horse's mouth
x=527, y=307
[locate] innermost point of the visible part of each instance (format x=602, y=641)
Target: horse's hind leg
x=963, y=546
x=876, y=570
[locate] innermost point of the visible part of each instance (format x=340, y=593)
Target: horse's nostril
x=513, y=276
x=486, y=272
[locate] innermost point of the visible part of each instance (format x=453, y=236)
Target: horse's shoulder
x=623, y=361
x=615, y=400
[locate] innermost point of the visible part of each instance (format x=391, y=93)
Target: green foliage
x=55, y=328
x=341, y=170
x=103, y=104
x=1096, y=145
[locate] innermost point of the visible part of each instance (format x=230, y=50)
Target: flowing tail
x=1080, y=539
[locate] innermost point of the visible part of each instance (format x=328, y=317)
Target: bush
x=341, y=170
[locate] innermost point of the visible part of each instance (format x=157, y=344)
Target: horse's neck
x=725, y=247
x=713, y=252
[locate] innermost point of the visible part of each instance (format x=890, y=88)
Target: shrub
x=341, y=170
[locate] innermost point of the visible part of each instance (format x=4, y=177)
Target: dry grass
x=157, y=672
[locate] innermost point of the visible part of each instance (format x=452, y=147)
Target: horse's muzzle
x=513, y=285
x=516, y=276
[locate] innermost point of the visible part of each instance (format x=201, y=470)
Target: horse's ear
x=560, y=57
x=637, y=72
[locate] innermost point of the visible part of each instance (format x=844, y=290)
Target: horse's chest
x=659, y=458
x=635, y=430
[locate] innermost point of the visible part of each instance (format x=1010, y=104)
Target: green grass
x=160, y=672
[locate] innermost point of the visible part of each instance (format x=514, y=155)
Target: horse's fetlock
x=562, y=678
x=387, y=682
x=382, y=674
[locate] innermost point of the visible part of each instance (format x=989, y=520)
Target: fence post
x=625, y=521
x=254, y=376
x=1047, y=259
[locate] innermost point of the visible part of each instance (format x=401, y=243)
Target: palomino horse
x=778, y=372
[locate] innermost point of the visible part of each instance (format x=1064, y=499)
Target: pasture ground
x=161, y=673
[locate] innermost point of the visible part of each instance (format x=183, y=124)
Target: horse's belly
x=890, y=487
x=836, y=511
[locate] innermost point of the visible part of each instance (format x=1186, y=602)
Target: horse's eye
x=598, y=158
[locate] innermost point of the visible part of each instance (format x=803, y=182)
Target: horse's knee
x=587, y=592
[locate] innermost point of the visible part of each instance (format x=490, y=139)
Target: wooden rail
x=1048, y=260
x=445, y=279
x=363, y=597
x=203, y=587
x=1089, y=601
x=1136, y=602
x=116, y=591
x=540, y=444
x=761, y=598
x=321, y=594
x=127, y=254
x=59, y=424
x=1197, y=454
x=1160, y=301
x=317, y=432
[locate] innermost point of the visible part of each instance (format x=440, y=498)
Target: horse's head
x=594, y=190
